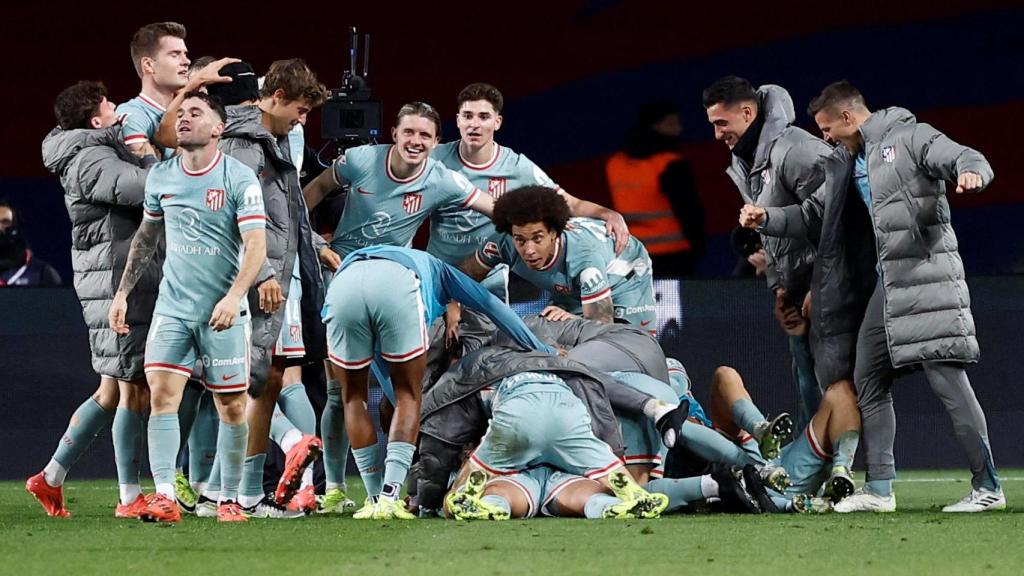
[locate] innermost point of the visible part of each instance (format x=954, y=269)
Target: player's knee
x=840, y=393
x=164, y=401
x=107, y=395
x=725, y=376
x=231, y=407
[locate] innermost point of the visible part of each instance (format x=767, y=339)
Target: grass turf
x=918, y=539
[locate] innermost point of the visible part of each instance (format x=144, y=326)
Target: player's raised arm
x=166, y=135
x=482, y=203
x=320, y=187
x=255, y=252
x=615, y=224
x=144, y=246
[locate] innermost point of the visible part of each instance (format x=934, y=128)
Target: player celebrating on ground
x=381, y=302
x=576, y=263
x=216, y=233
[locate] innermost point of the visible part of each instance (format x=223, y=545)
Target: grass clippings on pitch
x=918, y=539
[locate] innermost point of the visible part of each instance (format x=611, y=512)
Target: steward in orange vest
x=652, y=187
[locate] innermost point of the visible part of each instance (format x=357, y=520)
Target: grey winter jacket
x=645, y=353
x=786, y=171
x=442, y=418
x=289, y=235
x=104, y=185
x=927, y=304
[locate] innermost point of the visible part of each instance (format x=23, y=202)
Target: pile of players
x=576, y=412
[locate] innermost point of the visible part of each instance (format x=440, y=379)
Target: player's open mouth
x=413, y=151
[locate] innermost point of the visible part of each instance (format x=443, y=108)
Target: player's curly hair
x=530, y=204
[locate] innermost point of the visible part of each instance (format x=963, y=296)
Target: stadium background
x=573, y=75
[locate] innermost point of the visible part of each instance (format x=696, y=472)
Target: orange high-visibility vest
x=636, y=193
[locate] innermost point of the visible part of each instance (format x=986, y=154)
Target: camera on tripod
x=351, y=116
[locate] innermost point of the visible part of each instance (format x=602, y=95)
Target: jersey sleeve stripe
x=150, y=215
x=481, y=262
x=135, y=139
x=606, y=293
x=472, y=197
x=244, y=219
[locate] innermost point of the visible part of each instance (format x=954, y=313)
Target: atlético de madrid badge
x=888, y=154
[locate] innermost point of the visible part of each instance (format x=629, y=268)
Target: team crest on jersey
x=295, y=331
x=412, y=202
x=562, y=289
x=214, y=199
x=889, y=154
x=496, y=187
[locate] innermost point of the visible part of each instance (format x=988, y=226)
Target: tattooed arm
x=144, y=245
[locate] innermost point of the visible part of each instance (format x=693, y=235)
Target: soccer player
x=395, y=187
x=380, y=303
x=915, y=309
x=775, y=163
x=576, y=263
x=258, y=136
x=161, y=61
x=103, y=187
x=456, y=233
x=537, y=420
x=214, y=207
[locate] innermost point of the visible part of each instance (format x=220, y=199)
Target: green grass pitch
x=917, y=540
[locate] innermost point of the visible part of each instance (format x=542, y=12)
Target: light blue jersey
x=585, y=270
x=383, y=209
x=456, y=233
x=204, y=214
x=142, y=116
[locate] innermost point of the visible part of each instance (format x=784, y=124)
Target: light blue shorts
x=530, y=428
x=374, y=305
x=540, y=486
x=176, y=345
x=643, y=445
x=807, y=462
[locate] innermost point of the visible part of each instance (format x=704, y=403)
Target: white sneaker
x=268, y=508
x=980, y=500
x=206, y=508
x=865, y=501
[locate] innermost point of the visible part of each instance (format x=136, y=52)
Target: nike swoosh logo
x=644, y=323
x=361, y=191
x=226, y=378
x=166, y=196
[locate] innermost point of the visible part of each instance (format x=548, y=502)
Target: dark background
x=573, y=73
